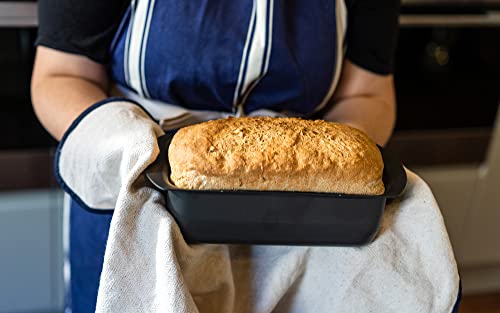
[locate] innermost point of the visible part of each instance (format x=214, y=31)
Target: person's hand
x=110, y=143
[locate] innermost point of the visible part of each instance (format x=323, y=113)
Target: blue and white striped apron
x=228, y=56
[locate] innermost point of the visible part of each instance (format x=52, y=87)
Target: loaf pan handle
x=155, y=173
x=394, y=175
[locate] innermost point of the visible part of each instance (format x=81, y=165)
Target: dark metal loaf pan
x=275, y=217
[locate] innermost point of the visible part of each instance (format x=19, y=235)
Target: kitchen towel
x=148, y=267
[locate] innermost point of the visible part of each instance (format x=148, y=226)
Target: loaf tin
x=275, y=217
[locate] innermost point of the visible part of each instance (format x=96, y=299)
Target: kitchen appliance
x=18, y=124
x=275, y=217
x=25, y=147
x=447, y=80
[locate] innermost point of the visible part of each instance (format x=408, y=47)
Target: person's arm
x=73, y=44
x=366, y=101
x=63, y=85
x=365, y=95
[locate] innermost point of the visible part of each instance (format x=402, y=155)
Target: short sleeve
x=372, y=31
x=82, y=27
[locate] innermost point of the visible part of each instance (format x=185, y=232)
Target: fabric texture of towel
x=148, y=267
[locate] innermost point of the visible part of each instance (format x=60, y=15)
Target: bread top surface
x=265, y=153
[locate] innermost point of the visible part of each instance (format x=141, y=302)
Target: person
x=330, y=59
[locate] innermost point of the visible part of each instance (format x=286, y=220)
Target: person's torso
x=232, y=55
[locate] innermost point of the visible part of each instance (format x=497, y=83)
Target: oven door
x=19, y=127
x=447, y=80
x=25, y=146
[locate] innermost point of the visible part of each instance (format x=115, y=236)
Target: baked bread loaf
x=265, y=153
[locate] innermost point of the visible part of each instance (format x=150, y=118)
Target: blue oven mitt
x=110, y=143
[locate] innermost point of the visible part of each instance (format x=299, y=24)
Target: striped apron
x=226, y=56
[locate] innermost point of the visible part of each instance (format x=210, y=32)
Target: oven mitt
x=110, y=143
x=148, y=267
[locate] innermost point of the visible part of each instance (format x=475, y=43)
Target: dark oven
x=447, y=80
x=25, y=147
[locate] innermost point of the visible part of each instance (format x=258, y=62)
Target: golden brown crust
x=264, y=153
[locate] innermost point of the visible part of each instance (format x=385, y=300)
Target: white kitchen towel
x=148, y=267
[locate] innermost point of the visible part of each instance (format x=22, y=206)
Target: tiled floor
x=480, y=304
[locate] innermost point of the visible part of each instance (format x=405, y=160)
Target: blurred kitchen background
x=448, y=131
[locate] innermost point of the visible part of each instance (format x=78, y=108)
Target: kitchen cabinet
x=31, y=254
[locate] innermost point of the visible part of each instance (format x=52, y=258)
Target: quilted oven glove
x=110, y=143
